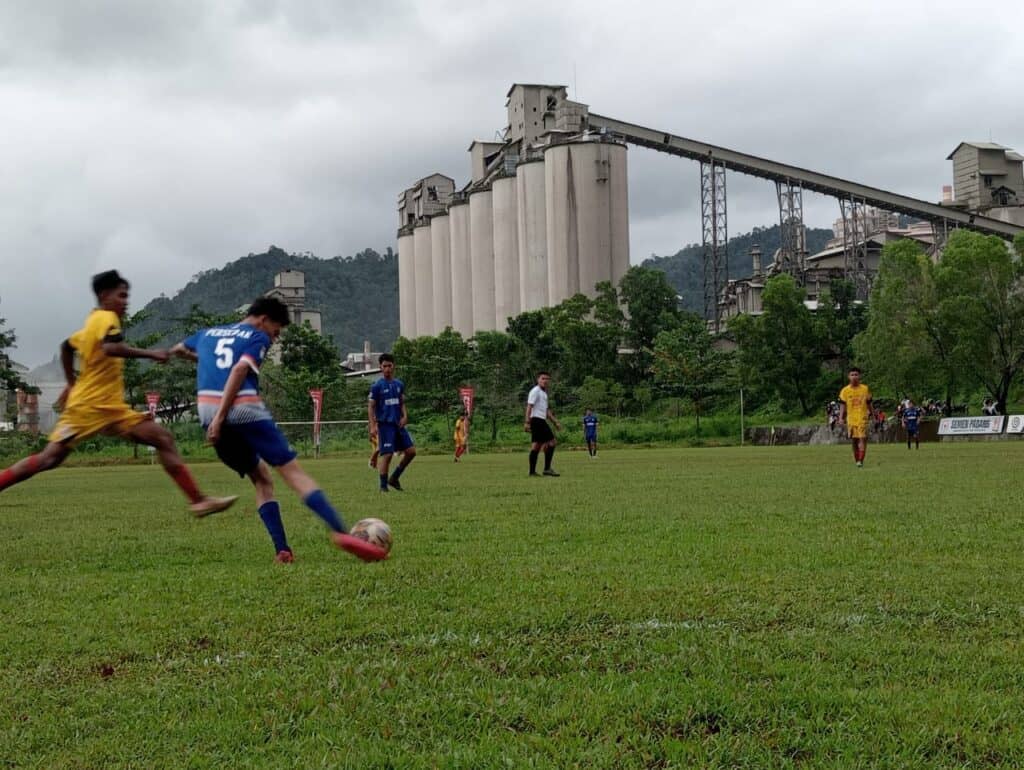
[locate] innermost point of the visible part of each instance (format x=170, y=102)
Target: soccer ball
x=373, y=531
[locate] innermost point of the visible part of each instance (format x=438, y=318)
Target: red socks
x=183, y=478
x=8, y=478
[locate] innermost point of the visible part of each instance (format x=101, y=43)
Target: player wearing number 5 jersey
x=241, y=428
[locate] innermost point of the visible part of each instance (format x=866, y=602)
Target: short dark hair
x=855, y=369
x=272, y=308
x=543, y=373
x=111, y=279
x=385, y=357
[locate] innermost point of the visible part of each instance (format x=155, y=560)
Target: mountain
x=685, y=268
x=357, y=296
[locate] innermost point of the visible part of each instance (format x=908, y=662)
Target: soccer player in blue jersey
x=241, y=428
x=590, y=422
x=387, y=421
x=911, y=422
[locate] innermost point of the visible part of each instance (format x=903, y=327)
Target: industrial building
x=544, y=216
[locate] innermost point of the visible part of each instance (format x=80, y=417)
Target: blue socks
x=397, y=472
x=384, y=481
x=317, y=503
x=270, y=512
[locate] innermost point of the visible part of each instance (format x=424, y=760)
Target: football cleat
x=358, y=548
x=284, y=557
x=209, y=505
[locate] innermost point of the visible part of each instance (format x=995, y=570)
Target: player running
x=855, y=409
x=911, y=423
x=590, y=423
x=461, y=435
x=388, y=418
x=93, y=401
x=242, y=430
x=537, y=414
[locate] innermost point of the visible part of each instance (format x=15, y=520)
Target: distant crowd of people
x=930, y=407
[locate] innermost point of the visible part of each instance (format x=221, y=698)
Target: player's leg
x=862, y=448
x=157, y=436
x=52, y=455
x=403, y=444
x=386, y=437
x=549, y=453
x=534, y=454
x=270, y=512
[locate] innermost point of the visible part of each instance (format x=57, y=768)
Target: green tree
x=496, y=373
x=433, y=369
x=981, y=300
x=687, y=363
x=907, y=346
x=651, y=307
x=780, y=349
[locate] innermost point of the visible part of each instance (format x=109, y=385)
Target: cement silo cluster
x=544, y=216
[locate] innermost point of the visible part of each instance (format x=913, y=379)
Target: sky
x=163, y=139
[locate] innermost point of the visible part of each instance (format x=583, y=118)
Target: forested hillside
x=357, y=295
x=685, y=270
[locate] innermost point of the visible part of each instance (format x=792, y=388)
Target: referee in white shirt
x=537, y=414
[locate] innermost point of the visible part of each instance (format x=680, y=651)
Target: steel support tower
x=792, y=246
x=715, y=236
x=855, y=245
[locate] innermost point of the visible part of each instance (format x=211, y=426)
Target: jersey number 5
x=225, y=355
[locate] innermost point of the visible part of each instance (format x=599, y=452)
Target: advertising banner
x=971, y=426
x=317, y=394
x=152, y=401
x=466, y=394
x=1015, y=423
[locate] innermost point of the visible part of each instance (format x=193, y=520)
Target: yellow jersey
x=856, y=400
x=460, y=431
x=101, y=377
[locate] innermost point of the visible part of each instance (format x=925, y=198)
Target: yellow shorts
x=80, y=422
x=857, y=431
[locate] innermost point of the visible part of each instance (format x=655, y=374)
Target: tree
x=9, y=378
x=497, y=375
x=433, y=369
x=780, y=349
x=652, y=306
x=981, y=300
x=907, y=346
x=687, y=363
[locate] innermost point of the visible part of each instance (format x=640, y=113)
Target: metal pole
x=742, y=429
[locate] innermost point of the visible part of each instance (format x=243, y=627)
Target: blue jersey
x=911, y=415
x=218, y=350
x=387, y=396
x=590, y=424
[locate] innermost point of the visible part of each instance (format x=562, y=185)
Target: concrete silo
x=441, y=260
x=481, y=247
x=532, y=235
x=506, y=250
x=587, y=208
x=406, y=283
x=462, y=268
x=424, y=279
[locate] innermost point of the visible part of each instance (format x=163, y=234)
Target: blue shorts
x=241, y=446
x=912, y=430
x=590, y=437
x=391, y=438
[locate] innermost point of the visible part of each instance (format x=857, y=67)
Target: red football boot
x=358, y=548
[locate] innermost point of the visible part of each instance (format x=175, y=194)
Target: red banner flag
x=466, y=394
x=152, y=401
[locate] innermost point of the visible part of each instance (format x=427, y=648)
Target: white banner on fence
x=1015, y=423
x=970, y=426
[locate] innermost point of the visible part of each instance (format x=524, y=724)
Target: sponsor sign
x=1015, y=423
x=971, y=426
x=152, y=401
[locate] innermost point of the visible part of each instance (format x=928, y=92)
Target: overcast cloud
x=167, y=138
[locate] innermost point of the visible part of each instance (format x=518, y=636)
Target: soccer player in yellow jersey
x=461, y=439
x=93, y=401
x=855, y=408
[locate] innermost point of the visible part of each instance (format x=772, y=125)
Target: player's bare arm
x=124, y=350
x=526, y=420
x=67, y=363
x=238, y=374
x=554, y=419
x=405, y=415
x=180, y=351
x=371, y=413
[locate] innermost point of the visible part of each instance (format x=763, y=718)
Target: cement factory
x=545, y=215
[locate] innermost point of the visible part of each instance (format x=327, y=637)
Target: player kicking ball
x=242, y=430
x=93, y=401
x=855, y=408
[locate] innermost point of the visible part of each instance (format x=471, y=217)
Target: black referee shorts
x=540, y=431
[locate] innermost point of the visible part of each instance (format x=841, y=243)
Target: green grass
x=654, y=608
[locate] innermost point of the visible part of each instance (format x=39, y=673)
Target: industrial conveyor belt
x=809, y=180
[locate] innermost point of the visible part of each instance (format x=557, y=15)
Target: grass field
x=654, y=608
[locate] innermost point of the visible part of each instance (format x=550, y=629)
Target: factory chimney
x=755, y=255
